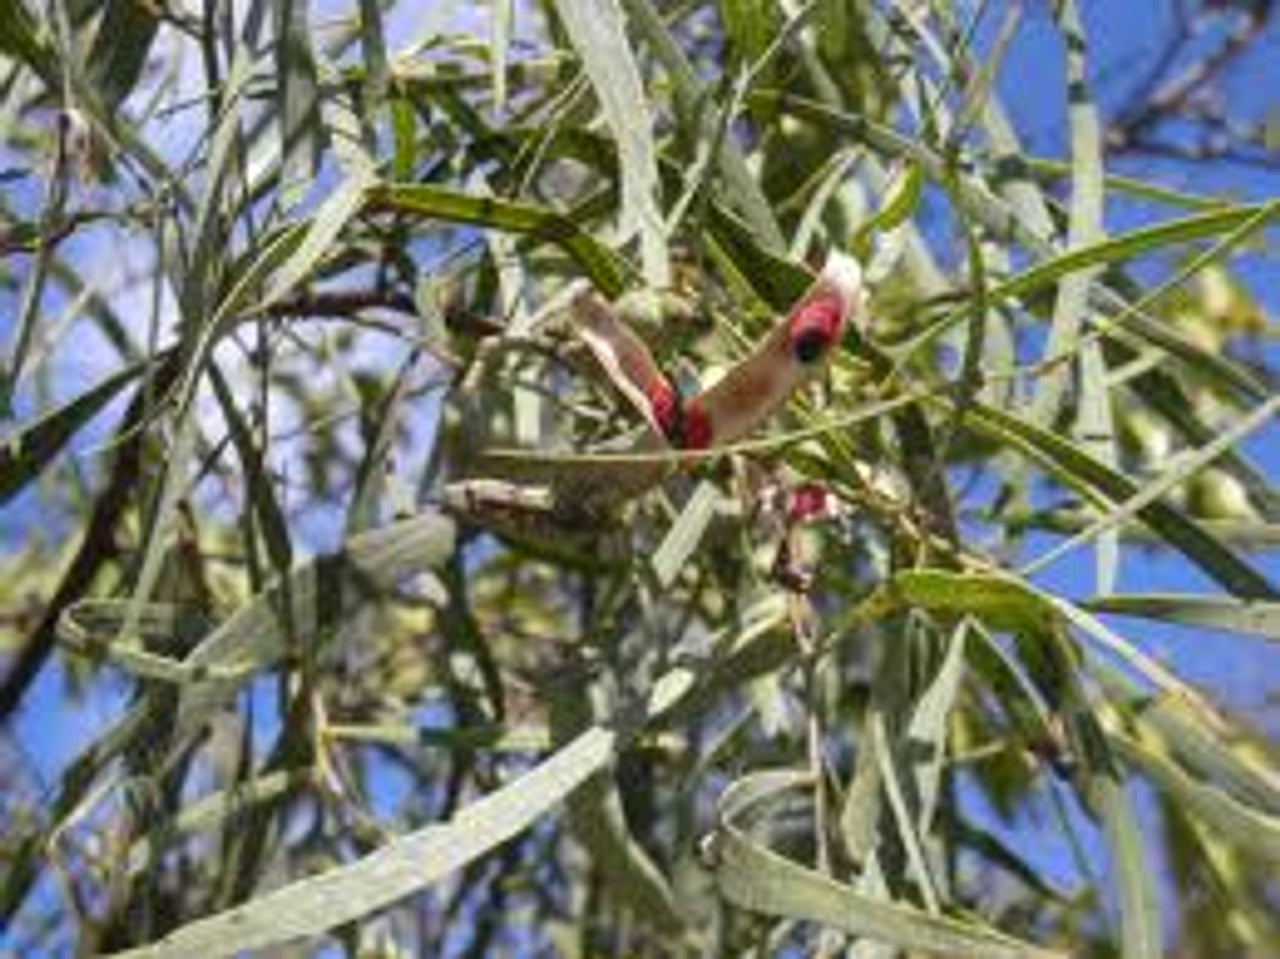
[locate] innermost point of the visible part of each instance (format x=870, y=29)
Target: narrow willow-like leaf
x=1180, y=469
x=120, y=47
x=898, y=206
x=929, y=724
x=321, y=595
x=1098, y=482
x=321, y=236
x=489, y=738
x=161, y=524
x=403, y=130
x=52, y=211
x=204, y=262
x=685, y=534
x=298, y=99
x=26, y=453
x=1216, y=752
x=310, y=907
x=499, y=49
x=597, y=820
x=1096, y=432
x=1250, y=617
x=374, y=45
x=96, y=628
x=1232, y=224
x=908, y=829
x=385, y=423
x=607, y=272
x=1085, y=228
x=266, y=506
x=1141, y=935
x=214, y=810
x=598, y=31
x=742, y=188
x=21, y=39
x=755, y=878
x=834, y=173
x=1048, y=168
x=1005, y=603
x=1255, y=833
x=860, y=816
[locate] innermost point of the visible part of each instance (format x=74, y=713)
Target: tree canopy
x=629, y=478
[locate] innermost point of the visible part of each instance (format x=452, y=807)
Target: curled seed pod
x=665, y=405
x=815, y=326
x=696, y=430
x=625, y=359
x=789, y=355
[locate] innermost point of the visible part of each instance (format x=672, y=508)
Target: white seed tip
x=844, y=273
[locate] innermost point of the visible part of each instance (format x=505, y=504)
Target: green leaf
x=267, y=509
x=405, y=865
x=823, y=187
x=1250, y=617
x=1141, y=936
x=1004, y=603
x=97, y=628
x=26, y=453
x=205, y=261
x=908, y=825
x=860, y=816
x=605, y=269
x=698, y=124
x=403, y=129
x=901, y=199
x=685, y=533
x=301, y=132
x=598, y=821
x=21, y=39
x=374, y=45
x=321, y=237
x=1008, y=604
x=1085, y=228
x=1181, y=467
x=321, y=595
x=1142, y=189
x=384, y=424
x=490, y=737
x=216, y=809
x=598, y=31
x=499, y=47
x=1103, y=485
x=120, y=47
x=757, y=879
x=929, y=724
x=1218, y=753
x=1253, y=832
x=749, y=27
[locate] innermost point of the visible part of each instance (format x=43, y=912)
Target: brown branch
x=342, y=303
x=1224, y=152
x=1173, y=97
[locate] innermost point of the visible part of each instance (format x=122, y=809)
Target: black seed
x=809, y=346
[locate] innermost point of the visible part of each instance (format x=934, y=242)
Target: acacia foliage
x=280, y=274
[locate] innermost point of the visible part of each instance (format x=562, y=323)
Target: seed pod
x=788, y=357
